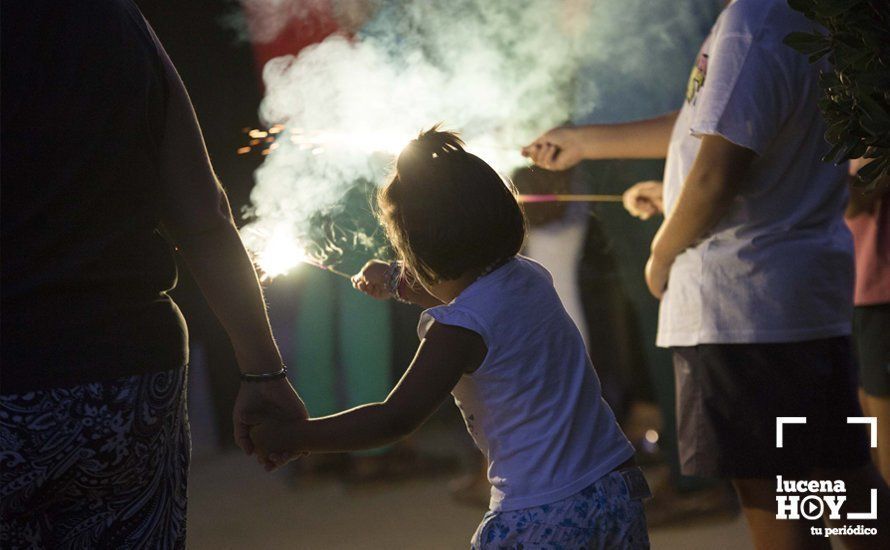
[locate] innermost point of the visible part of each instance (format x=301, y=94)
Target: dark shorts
x=730, y=395
x=871, y=330
x=99, y=465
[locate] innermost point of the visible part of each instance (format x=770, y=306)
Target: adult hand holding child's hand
x=275, y=437
x=259, y=401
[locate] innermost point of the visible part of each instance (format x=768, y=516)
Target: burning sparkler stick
x=569, y=198
x=268, y=276
x=279, y=252
x=326, y=268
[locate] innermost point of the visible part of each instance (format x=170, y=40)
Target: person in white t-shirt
x=497, y=337
x=753, y=266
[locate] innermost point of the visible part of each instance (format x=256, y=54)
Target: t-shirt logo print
x=697, y=77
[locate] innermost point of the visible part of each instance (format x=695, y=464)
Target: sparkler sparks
x=278, y=249
x=392, y=143
x=266, y=141
x=319, y=142
x=281, y=252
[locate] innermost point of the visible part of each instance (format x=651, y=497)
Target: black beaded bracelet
x=264, y=377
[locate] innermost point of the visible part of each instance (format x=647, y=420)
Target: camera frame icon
x=811, y=506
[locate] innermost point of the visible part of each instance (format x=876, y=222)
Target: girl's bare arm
x=446, y=354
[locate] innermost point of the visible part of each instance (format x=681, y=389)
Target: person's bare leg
x=858, y=483
x=758, y=498
x=879, y=406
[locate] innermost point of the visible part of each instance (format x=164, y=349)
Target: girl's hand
x=644, y=200
x=276, y=440
x=372, y=279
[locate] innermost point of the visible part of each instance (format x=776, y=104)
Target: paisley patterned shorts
x=99, y=465
x=607, y=515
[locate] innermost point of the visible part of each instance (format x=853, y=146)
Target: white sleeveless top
x=534, y=407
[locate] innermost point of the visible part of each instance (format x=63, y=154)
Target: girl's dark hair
x=447, y=212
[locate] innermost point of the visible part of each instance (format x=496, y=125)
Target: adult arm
x=710, y=187
x=562, y=148
x=445, y=354
x=197, y=217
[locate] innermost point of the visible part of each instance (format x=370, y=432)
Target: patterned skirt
x=607, y=515
x=99, y=465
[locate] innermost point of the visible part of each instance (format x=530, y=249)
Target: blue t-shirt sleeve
x=451, y=315
x=537, y=267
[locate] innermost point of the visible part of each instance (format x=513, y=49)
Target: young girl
x=498, y=339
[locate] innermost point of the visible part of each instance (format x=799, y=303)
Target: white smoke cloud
x=498, y=71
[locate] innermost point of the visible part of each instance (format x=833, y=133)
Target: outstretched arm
x=562, y=148
x=445, y=354
x=197, y=216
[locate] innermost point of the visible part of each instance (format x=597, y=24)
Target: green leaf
x=816, y=56
x=875, y=110
x=871, y=171
x=807, y=43
x=872, y=127
x=857, y=151
x=833, y=8
x=855, y=100
x=879, y=79
x=833, y=152
x=803, y=6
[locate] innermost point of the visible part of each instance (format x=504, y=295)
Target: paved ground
x=234, y=504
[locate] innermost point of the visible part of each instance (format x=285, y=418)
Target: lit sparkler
x=281, y=253
x=323, y=267
x=266, y=141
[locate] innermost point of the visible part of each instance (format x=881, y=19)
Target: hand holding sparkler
x=372, y=280
x=644, y=199
x=557, y=149
x=562, y=148
x=379, y=280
